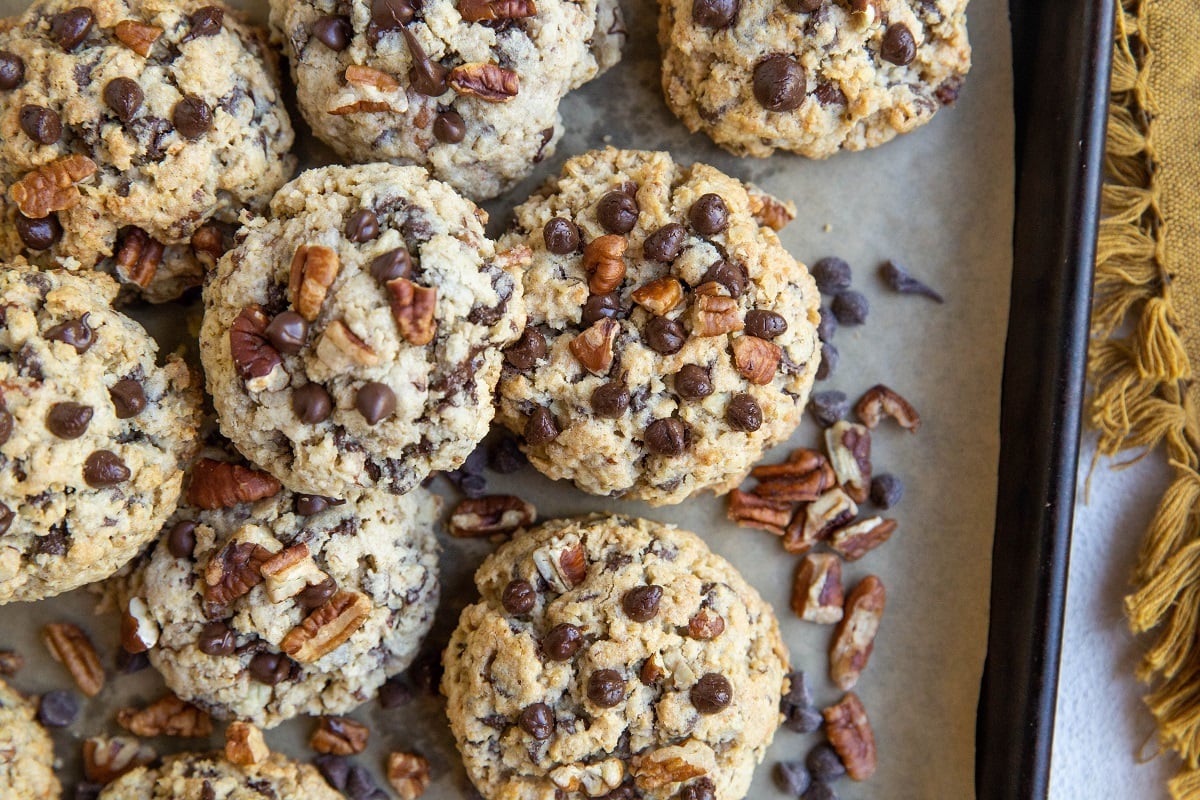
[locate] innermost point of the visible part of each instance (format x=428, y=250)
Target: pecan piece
x=590, y=780
x=340, y=736
x=818, y=519
x=51, y=187
x=326, y=628
x=659, y=296
x=673, y=764
x=490, y=82
x=72, y=648
x=209, y=244
x=751, y=511
x=854, y=541
x=105, y=759
x=487, y=10
x=855, y=636
x=799, y=480
x=222, y=484
x=562, y=563
x=413, y=308
x=167, y=716
x=849, y=448
x=717, y=315
x=769, y=211
x=139, y=629
x=604, y=262
x=850, y=733
x=756, y=359
x=232, y=572
x=341, y=349
x=244, y=744
x=290, y=571
x=137, y=36
x=706, y=624
x=254, y=357
x=358, y=75
x=880, y=401
x=361, y=107
x=817, y=589
x=491, y=515
x=408, y=774
x=594, y=347
x=138, y=257
x=314, y=268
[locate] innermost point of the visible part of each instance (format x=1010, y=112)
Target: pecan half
x=706, y=624
x=138, y=257
x=817, y=589
x=850, y=733
x=717, y=315
x=562, y=563
x=314, y=268
x=72, y=648
x=221, y=484
x=413, y=308
x=604, y=262
x=290, y=571
x=854, y=541
x=490, y=82
x=326, y=628
x=139, y=629
x=818, y=519
x=341, y=349
x=51, y=187
x=167, y=716
x=880, y=401
x=594, y=347
x=340, y=736
x=253, y=355
x=491, y=515
x=798, y=480
x=105, y=759
x=137, y=36
x=849, y=447
x=855, y=636
x=233, y=571
x=408, y=774
x=769, y=211
x=673, y=764
x=244, y=744
x=757, y=360
x=659, y=296
x=358, y=75
x=751, y=511
x=487, y=10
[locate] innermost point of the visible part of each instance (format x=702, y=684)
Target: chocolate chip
x=600, y=306
x=361, y=786
x=832, y=275
x=505, y=456
x=665, y=336
x=38, y=234
x=333, y=32
x=70, y=28
x=104, y=468
x=562, y=642
x=6, y=424
x=561, y=236
x=709, y=215
x=68, y=420
x=58, y=708
x=640, y=604
x=391, y=15
x=820, y=791
x=804, y=6
x=391, y=265
x=665, y=244
x=886, y=490
x=76, y=332
x=541, y=428
x=824, y=763
x=828, y=326
x=668, y=437
x=449, y=127
x=830, y=94
x=519, y=597
x=52, y=543
x=802, y=719
x=124, y=97
x=41, y=124
x=216, y=639
x=363, y=226
x=703, y=789
x=288, y=332
x=899, y=280
x=827, y=408
x=692, y=382
x=426, y=76
x=610, y=400
x=715, y=14
x=395, y=693
x=728, y=274
x=317, y=594
x=744, y=413
x=311, y=403
x=712, y=693
x=181, y=539
x=12, y=70
x=131, y=663
x=206, y=21
x=850, y=308
x=617, y=212
x=308, y=504
x=6, y=518
x=526, y=351
x=898, y=46
x=779, y=83
x=88, y=790
x=192, y=117
x=792, y=778
x=765, y=324
x=375, y=401
x=606, y=688
x=270, y=668
x=829, y=361
x=334, y=769
x=128, y=398
x=537, y=720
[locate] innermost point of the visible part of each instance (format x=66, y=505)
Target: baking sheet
x=939, y=200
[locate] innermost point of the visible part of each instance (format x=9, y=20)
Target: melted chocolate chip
x=617, y=212
x=562, y=642
x=391, y=265
x=709, y=215
x=52, y=543
x=38, y=234
x=288, y=332
x=124, y=97
x=702, y=789
x=41, y=124
x=206, y=21
x=665, y=244
x=181, y=539
x=318, y=594
x=391, y=15
x=363, y=226
x=12, y=70
x=779, y=83
x=333, y=32
x=830, y=94
x=68, y=420
x=765, y=324
x=668, y=437
x=75, y=332
x=692, y=382
x=541, y=428
x=308, y=504
x=561, y=236
x=537, y=720
x=601, y=306
x=712, y=693
x=104, y=468
x=526, y=351
x=519, y=597
x=192, y=117
x=6, y=518
x=610, y=400
x=898, y=46
x=128, y=398
x=606, y=688
x=6, y=425
x=449, y=127
x=730, y=275
x=715, y=14
x=70, y=28
x=311, y=403
x=640, y=604
x=375, y=401
x=216, y=639
x=426, y=76
x=664, y=335
x=270, y=668
x=744, y=413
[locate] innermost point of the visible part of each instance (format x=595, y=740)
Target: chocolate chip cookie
x=354, y=338
x=468, y=88
x=209, y=776
x=610, y=653
x=94, y=434
x=131, y=132
x=26, y=752
x=671, y=338
x=811, y=76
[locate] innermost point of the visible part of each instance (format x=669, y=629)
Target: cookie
x=26, y=752
x=196, y=776
x=131, y=131
x=671, y=337
x=353, y=340
x=811, y=76
x=609, y=652
x=282, y=604
x=94, y=434
x=467, y=88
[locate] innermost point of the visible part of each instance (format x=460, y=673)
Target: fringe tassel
x=1185, y=785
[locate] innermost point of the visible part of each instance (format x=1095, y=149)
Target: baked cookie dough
x=671, y=338
x=94, y=434
x=611, y=652
x=195, y=776
x=282, y=604
x=811, y=76
x=131, y=132
x=26, y=752
x=353, y=339
x=468, y=88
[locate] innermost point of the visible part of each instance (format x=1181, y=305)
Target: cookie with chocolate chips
x=94, y=434
x=353, y=338
x=671, y=339
x=811, y=76
x=132, y=133
x=210, y=776
x=469, y=89
x=629, y=660
x=27, y=768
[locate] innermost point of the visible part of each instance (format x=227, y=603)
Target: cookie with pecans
x=94, y=433
x=671, y=338
x=469, y=89
x=26, y=751
x=811, y=76
x=353, y=338
x=132, y=133
x=617, y=655
x=260, y=604
x=210, y=776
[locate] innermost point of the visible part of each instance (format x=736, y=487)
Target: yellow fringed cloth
x=1146, y=336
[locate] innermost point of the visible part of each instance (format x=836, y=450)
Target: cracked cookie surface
x=26, y=752
x=195, y=776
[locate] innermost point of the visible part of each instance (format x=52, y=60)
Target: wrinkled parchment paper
x=939, y=200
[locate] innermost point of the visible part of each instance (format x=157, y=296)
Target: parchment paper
x=939, y=200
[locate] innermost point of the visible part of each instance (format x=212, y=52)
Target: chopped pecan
x=361, y=107
x=51, y=187
x=490, y=82
x=673, y=764
x=254, y=357
x=659, y=296
x=408, y=774
x=706, y=624
x=11, y=662
x=138, y=257
x=514, y=258
x=817, y=589
x=854, y=541
x=137, y=36
x=167, y=716
x=327, y=627
x=562, y=563
x=413, y=308
x=594, y=347
x=209, y=244
x=358, y=75
x=651, y=671
x=340, y=736
x=751, y=511
x=139, y=629
x=290, y=571
x=855, y=636
x=717, y=315
x=491, y=515
x=801, y=459
x=244, y=744
x=849, y=447
x=591, y=780
x=799, y=480
x=107, y=758
x=233, y=571
x=487, y=10
x=604, y=262
x=314, y=268
x=818, y=519
x=72, y=648
x=756, y=359
x=341, y=349
x=222, y=484
x=850, y=733
x=880, y=401
x=770, y=211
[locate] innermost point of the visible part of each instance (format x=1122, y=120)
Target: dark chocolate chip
x=886, y=490
x=87, y=790
x=617, y=212
x=391, y=265
x=668, y=437
x=206, y=21
x=802, y=719
x=824, y=763
x=124, y=97
x=70, y=28
x=270, y=668
x=832, y=275
x=792, y=778
x=505, y=456
x=216, y=639
x=128, y=398
x=391, y=15
x=361, y=786
x=426, y=76
x=830, y=94
x=561, y=236
x=68, y=420
x=606, y=688
x=819, y=791
x=12, y=70
x=41, y=124
x=610, y=400
x=375, y=401
x=131, y=663
x=779, y=83
x=898, y=46
x=541, y=428
x=702, y=789
x=600, y=306
x=712, y=693
x=104, y=468
x=395, y=693
x=311, y=403
x=192, y=117
x=828, y=326
x=709, y=215
x=640, y=603
x=715, y=14
x=728, y=274
x=308, y=504
x=537, y=720
x=899, y=280
x=804, y=6
x=317, y=594
x=38, y=234
x=52, y=543
x=334, y=769
x=744, y=413
x=851, y=308
x=827, y=408
x=526, y=351
x=562, y=642
x=665, y=244
x=288, y=332
x=519, y=597
x=449, y=127
x=692, y=382
x=58, y=708
x=333, y=32
x=363, y=226
x=6, y=424
x=75, y=332
x=765, y=324
x=829, y=361
x=181, y=540
x=799, y=691
x=664, y=335
x=6, y=518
